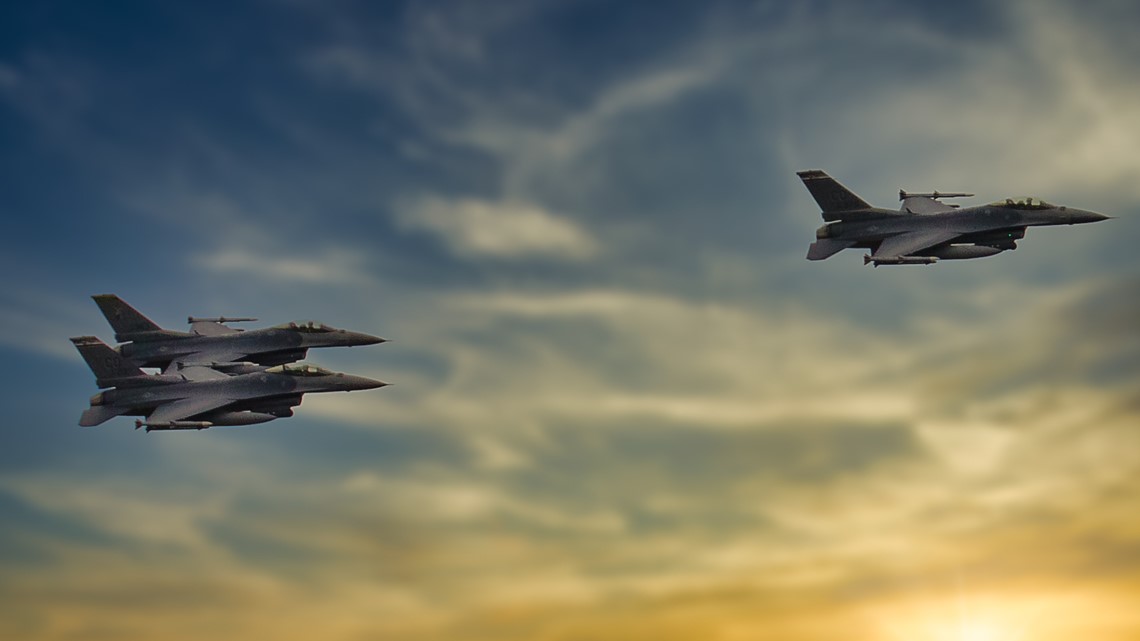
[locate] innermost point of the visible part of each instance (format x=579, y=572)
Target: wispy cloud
x=9, y=77
x=332, y=266
x=473, y=227
x=1037, y=103
x=41, y=322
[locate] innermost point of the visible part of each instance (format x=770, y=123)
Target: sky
x=623, y=405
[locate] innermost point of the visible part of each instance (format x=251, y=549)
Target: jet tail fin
x=834, y=199
x=129, y=324
x=106, y=363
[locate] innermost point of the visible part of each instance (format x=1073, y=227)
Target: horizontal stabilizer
x=95, y=415
x=827, y=247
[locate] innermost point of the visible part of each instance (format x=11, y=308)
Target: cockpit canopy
x=300, y=369
x=307, y=327
x=1023, y=203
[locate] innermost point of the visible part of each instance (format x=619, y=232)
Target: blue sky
x=624, y=404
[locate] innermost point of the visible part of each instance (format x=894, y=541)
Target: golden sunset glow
x=965, y=620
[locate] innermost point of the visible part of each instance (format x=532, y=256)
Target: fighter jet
x=199, y=397
x=211, y=342
x=925, y=230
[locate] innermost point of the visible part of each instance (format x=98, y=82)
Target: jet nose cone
x=358, y=338
x=355, y=383
x=1082, y=216
x=372, y=384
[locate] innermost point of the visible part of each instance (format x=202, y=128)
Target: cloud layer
x=624, y=405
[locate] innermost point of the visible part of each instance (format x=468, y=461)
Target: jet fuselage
x=982, y=221
x=253, y=398
x=269, y=346
x=925, y=230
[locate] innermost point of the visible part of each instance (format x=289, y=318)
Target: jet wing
x=911, y=243
x=187, y=407
x=180, y=364
x=211, y=328
x=198, y=373
x=924, y=205
x=214, y=356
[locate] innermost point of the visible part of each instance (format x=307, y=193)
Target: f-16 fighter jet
x=199, y=397
x=211, y=342
x=925, y=230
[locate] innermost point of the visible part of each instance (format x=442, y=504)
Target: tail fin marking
x=834, y=199
x=106, y=363
x=127, y=321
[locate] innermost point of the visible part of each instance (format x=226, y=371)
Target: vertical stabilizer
x=107, y=364
x=129, y=324
x=834, y=199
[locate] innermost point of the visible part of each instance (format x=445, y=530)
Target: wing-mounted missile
x=214, y=326
x=232, y=368
x=220, y=319
x=933, y=195
x=964, y=252
x=903, y=195
x=900, y=260
x=173, y=425
x=216, y=418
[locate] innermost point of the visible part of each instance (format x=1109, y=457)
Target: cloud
x=40, y=322
x=332, y=266
x=9, y=77
x=610, y=517
x=133, y=514
x=535, y=141
x=1037, y=104
x=479, y=228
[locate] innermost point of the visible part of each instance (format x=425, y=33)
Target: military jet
x=211, y=342
x=198, y=397
x=925, y=230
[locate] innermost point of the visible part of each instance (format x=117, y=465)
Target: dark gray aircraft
x=925, y=230
x=210, y=342
x=199, y=397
